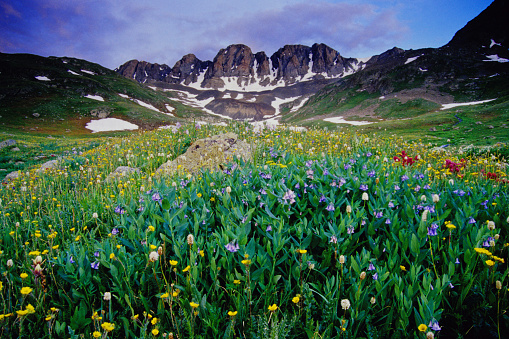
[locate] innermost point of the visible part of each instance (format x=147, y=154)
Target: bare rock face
x=240, y=110
x=210, y=153
x=237, y=62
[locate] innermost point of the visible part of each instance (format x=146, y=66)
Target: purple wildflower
x=119, y=210
x=363, y=187
x=269, y=228
x=156, y=197
x=471, y=220
x=375, y=276
x=232, y=246
x=330, y=208
x=432, y=230
x=350, y=230
x=289, y=195
x=434, y=325
x=333, y=239
x=404, y=177
x=95, y=265
x=371, y=267
x=114, y=231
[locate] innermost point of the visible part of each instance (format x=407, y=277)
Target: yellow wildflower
x=272, y=307
x=193, y=304
x=26, y=290
x=232, y=314
x=422, y=328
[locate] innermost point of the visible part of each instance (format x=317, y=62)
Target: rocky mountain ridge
x=238, y=68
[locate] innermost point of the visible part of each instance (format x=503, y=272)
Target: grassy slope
x=415, y=119
x=60, y=102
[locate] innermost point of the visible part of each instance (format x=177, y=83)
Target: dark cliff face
x=489, y=24
x=290, y=64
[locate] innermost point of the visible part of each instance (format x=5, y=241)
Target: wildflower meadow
x=322, y=234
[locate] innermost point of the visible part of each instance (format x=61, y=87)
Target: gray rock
x=122, y=171
x=7, y=143
x=210, y=153
x=11, y=176
x=48, y=165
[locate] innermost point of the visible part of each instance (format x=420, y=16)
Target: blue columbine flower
x=391, y=204
x=114, y=231
x=371, y=173
x=404, y=177
x=330, y=208
x=375, y=276
x=471, y=220
x=156, y=197
x=269, y=228
x=371, y=267
x=396, y=188
x=95, y=265
x=322, y=198
x=96, y=254
x=71, y=260
x=457, y=261
x=387, y=221
x=363, y=187
x=350, y=230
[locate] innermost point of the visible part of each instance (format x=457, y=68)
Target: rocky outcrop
x=289, y=64
x=7, y=143
x=210, y=153
x=240, y=110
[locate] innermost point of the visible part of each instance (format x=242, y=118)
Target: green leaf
x=414, y=245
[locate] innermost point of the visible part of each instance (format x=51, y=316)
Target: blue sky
x=111, y=32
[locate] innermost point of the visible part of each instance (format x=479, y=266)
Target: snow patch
x=73, y=73
x=94, y=97
x=409, y=60
x=340, y=120
x=42, y=78
x=493, y=43
x=496, y=58
x=125, y=96
x=279, y=101
x=447, y=106
x=88, y=72
x=110, y=124
x=153, y=88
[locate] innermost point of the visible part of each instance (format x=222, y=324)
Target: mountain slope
x=61, y=95
x=402, y=84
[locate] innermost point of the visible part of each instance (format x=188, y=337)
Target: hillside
x=61, y=95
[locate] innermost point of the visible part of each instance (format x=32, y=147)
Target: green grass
x=334, y=261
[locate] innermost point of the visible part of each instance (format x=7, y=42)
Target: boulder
x=11, y=176
x=48, y=165
x=7, y=143
x=210, y=153
x=122, y=171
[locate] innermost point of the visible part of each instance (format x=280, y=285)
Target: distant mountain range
x=297, y=84
x=240, y=84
